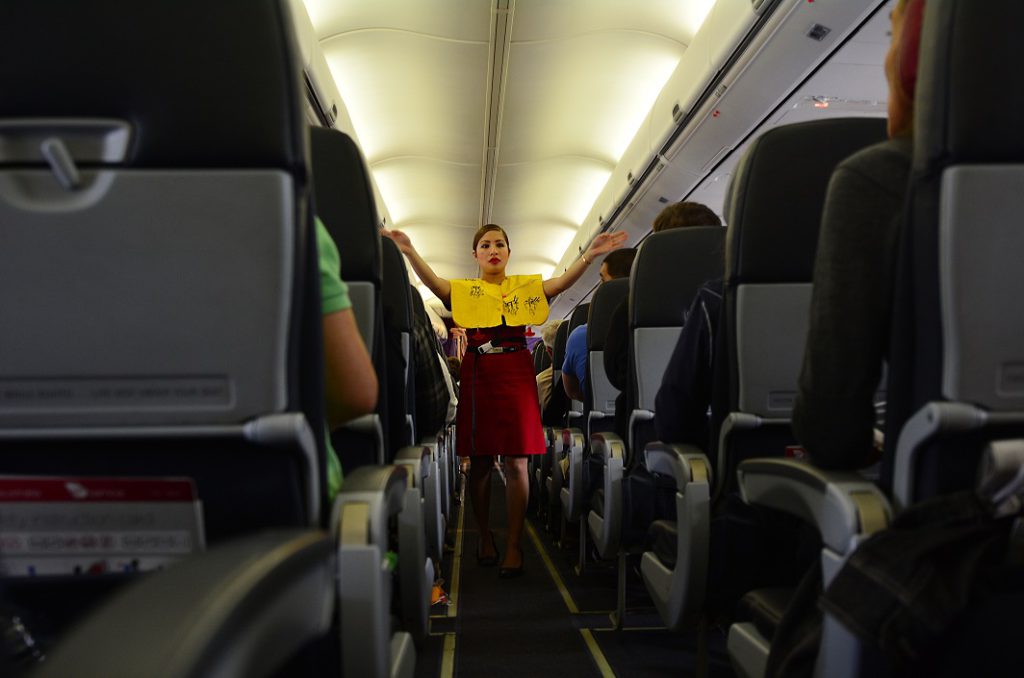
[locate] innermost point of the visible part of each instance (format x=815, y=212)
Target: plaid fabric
x=431, y=391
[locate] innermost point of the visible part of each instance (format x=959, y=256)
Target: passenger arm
x=572, y=386
x=441, y=287
x=606, y=242
x=350, y=382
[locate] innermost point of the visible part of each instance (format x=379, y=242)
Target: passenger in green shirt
x=350, y=382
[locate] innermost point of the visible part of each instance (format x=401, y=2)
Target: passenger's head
x=901, y=65
x=683, y=214
x=454, y=364
x=617, y=264
x=491, y=248
x=547, y=334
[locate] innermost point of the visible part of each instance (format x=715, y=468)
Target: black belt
x=487, y=348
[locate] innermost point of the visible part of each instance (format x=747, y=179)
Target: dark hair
x=487, y=228
x=619, y=262
x=682, y=214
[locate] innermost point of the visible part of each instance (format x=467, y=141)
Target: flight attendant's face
x=491, y=252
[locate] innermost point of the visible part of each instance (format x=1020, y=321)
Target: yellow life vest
x=519, y=299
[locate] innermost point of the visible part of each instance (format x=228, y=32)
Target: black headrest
x=970, y=89
x=604, y=302
x=202, y=84
x=395, y=292
x=344, y=202
x=419, y=309
x=558, y=350
x=667, y=271
x=777, y=194
x=579, y=316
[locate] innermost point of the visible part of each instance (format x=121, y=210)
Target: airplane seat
x=550, y=472
x=175, y=337
x=345, y=203
x=769, y=253
x=958, y=312
x=668, y=269
x=599, y=411
x=438, y=481
x=769, y=271
x=396, y=305
x=541, y=359
x=954, y=421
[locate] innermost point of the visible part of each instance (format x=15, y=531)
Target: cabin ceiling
x=512, y=112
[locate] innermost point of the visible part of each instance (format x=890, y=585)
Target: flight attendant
x=498, y=412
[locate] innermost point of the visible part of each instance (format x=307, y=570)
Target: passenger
x=350, y=381
x=616, y=344
x=547, y=375
x=681, y=406
x=854, y=269
x=498, y=413
x=574, y=369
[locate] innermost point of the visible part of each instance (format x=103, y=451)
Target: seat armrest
x=842, y=505
x=241, y=609
x=607, y=446
x=368, y=497
x=686, y=463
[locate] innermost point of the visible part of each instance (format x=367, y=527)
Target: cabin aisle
x=549, y=621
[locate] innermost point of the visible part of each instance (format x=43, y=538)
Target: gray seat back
x=606, y=299
x=770, y=248
x=958, y=331
x=175, y=330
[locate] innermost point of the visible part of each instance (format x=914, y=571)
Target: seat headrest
x=775, y=201
x=418, y=307
x=344, y=202
x=579, y=316
x=970, y=90
x=395, y=291
x=606, y=299
x=200, y=84
x=669, y=268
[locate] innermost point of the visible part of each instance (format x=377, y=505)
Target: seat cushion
x=662, y=536
x=765, y=608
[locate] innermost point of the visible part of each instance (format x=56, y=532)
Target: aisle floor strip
x=453, y=593
x=448, y=656
x=588, y=638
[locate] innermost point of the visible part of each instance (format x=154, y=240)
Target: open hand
x=399, y=238
x=606, y=242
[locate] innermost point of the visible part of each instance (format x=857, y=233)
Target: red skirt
x=498, y=413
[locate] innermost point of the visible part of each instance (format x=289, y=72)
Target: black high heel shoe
x=512, y=572
x=488, y=561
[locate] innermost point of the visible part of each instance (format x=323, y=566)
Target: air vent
x=629, y=178
x=663, y=200
x=818, y=32
x=677, y=113
x=758, y=5
x=600, y=219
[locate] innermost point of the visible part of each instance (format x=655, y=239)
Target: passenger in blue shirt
x=574, y=369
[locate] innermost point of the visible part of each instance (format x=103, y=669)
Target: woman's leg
x=517, y=494
x=480, y=497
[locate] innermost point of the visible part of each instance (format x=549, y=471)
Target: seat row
x=158, y=168
x=952, y=422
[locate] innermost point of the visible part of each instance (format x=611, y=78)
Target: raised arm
x=439, y=286
x=602, y=244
